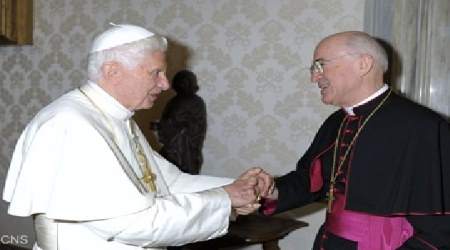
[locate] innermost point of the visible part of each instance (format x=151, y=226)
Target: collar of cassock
x=361, y=108
x=107, y=103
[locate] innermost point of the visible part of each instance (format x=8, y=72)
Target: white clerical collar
x=349, y=110
x=106, y=102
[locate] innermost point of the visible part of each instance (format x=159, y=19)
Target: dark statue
x=182, y=127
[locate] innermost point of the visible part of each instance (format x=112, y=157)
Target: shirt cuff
x=268, y=206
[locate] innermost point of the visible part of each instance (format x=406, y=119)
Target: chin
x=145, y=106
x=147, y=103
x=148, y=106
x=326, y=100
x=329, y=99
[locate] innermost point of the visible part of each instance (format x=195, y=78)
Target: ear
x=111, y=71
x=365, y=64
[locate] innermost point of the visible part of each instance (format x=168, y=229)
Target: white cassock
x=75, y=166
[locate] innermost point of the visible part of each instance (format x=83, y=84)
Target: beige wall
x=251, y=57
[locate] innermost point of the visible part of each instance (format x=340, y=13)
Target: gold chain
x=334, y=173
x=148, y=176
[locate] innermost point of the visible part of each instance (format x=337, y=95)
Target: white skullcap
x=119, y=34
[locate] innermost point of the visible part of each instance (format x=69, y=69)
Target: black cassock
x=399, y=165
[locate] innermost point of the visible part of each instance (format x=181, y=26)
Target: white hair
x=363, y=43
x=130, y=54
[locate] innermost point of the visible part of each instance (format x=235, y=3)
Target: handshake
x=246, y=191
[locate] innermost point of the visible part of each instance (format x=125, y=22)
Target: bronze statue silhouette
x=182, y=127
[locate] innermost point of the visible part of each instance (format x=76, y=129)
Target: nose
x=163, y=82
x=315, y=76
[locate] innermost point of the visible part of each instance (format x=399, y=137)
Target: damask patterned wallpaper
x=251, y=58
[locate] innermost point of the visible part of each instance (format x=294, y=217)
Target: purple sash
x=369, y=231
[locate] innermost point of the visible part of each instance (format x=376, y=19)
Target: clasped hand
x=246, y=191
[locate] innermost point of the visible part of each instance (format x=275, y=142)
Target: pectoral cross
x=330, y=197
x=149, y=179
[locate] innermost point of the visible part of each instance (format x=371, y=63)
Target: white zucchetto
x=119, y=34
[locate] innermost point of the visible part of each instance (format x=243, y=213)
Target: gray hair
x=363, y=43
x=130, y=54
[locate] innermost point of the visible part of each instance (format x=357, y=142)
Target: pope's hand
x=247, y=209
x=242, y=191
x=246, y=191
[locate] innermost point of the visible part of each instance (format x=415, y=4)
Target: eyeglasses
x=156, y=73
x=318, y=64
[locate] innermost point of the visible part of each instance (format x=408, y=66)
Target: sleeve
x=430, y=232
x=294, y=188
x=172, y=220
x=433, y=231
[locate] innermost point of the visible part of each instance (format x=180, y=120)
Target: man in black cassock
x=382, y=162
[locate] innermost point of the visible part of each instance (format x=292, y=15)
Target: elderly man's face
x=333, y=71
x=145, y=82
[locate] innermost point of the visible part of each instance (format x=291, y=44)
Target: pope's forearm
x=171, y=220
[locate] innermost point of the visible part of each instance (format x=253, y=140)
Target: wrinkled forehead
x=157, y=59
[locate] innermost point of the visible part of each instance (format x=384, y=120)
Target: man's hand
x=266, y=184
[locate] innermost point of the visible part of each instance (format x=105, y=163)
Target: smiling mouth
x=322, y=87
x=154, y=95
x=323, y=84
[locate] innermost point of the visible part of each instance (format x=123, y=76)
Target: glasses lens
x=316, y=67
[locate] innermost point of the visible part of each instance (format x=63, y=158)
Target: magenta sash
x=369, y=231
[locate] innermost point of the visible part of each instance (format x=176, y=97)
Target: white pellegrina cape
x=75, y=167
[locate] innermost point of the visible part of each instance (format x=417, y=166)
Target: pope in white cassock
x=84, y=171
